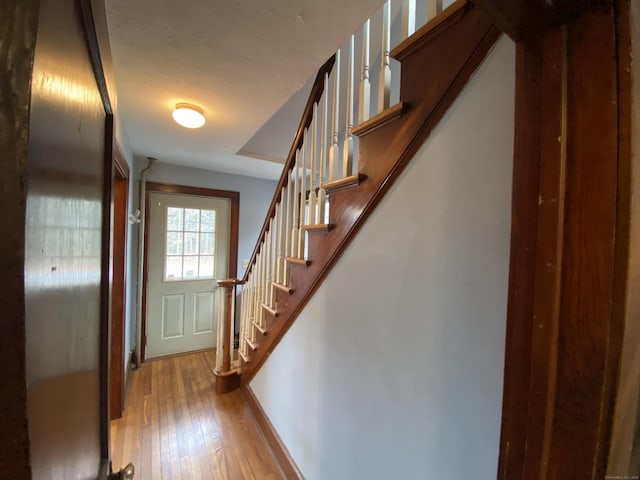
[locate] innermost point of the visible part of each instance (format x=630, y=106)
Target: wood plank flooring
x=175, y=427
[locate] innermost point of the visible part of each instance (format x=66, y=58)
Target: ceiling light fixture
x=188, y=115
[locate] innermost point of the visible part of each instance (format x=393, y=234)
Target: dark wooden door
x=70, y=135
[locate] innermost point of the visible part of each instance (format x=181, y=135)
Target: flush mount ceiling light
x=188, y=115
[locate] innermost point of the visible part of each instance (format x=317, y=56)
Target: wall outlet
x=245, y=263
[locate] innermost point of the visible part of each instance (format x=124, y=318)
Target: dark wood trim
x=120, y=162
x=106, y=285
x=279, y=449
x=624, y=453
x=568, y=255
x=524, y=228
x=452, y=56
x=305, y=121
x=93, y=47
x=18, y=30
x=119, y=287
x=232, y=270
x=521, y=19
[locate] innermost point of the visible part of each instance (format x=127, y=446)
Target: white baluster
x=313, y=160
x=434, y=7
x=252, y=314
x=257, y=310
x=296, y=208
x=303, y=195
x=243, y=318
x=270, y=263
x=384, y=91
x=408, y=18
x=260, y=301
x=364, y=100
x=287, y=231
x=280, y=242
x=263, y=283
x=242, y=310
x=322, y=193
x=347, y=152
x=334, y=150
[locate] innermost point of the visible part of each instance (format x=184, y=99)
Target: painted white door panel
x=188, y=249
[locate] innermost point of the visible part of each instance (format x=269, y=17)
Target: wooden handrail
x=305, y=121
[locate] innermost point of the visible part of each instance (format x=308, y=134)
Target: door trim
x=120, y=202
x=232, y=271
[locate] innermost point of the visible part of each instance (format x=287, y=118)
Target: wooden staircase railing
x=324, y=197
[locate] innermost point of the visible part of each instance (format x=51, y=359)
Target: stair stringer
x=437, y=61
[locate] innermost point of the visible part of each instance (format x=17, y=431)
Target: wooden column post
x=227, y=379
x=569, y=253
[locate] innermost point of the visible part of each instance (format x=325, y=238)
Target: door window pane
x=174, y=218
x=206, y=266
x=208, y=221
x=173, y=268
x=174, y=243
x=207, y=242
x=190, y=244
x=190, y=267
x=191, y=220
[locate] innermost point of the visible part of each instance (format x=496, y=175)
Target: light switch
x=245, y=263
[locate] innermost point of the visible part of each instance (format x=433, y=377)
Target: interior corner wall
x=130, y=267
x=255, y=198
x=394, y=369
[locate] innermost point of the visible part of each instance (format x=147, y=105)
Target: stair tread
x=252, y=346
x=343, y=183
x=262, y=330
x=283, y=288
x=318, y=227
x=298, y=261
x=271, y=310
x=244, y=357
x=380, y=120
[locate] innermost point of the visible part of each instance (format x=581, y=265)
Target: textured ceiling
x=240, y=60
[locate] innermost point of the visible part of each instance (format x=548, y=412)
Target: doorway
x=191, y=240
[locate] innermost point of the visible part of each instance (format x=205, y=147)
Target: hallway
x=176, y=428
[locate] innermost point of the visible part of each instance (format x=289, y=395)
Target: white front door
x=188, y=249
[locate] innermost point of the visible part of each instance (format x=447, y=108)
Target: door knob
x=126, y=473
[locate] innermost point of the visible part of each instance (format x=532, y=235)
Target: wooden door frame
x=120, y=203
x=570, y=250
x=234, y=213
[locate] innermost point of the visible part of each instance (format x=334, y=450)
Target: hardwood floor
x=175, y=427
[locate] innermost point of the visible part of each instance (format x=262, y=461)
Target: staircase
x=337, y=171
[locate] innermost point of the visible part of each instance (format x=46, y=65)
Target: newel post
x=227, y=378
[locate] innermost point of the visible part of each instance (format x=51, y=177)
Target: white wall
x=395, y=367
x=255, y=197
x=130, y=267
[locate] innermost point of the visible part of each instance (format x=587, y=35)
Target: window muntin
x=189, y=244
